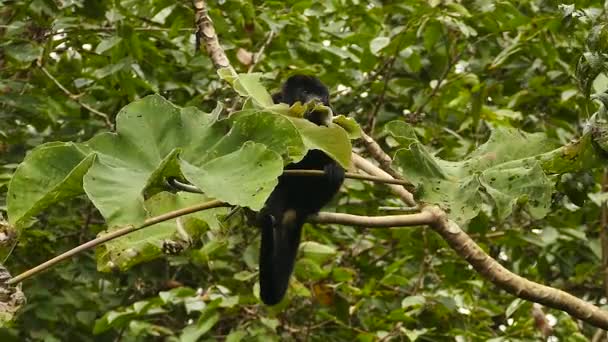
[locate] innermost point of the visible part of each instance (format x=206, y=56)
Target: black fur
x=294, y=198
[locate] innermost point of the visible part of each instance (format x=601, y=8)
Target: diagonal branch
x=257, y=57
x=379, y=155
x=509, y=281
x=113, y=235
x=367, y=166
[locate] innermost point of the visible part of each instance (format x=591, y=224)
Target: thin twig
x=257, y=57
x=365, y=83
x=76, y=98
x=387, y=252
x=351, y=175
x=400, y=209
x=426, y=260
x=113, y=29
x=440, y=81
x=371, y=122
x=174, y=183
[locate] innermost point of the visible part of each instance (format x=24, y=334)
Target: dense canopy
x=492, y=113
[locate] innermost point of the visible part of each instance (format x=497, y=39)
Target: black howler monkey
x=295, y=197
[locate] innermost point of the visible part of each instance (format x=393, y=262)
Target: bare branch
x=206, y=33
x=392, y=221
x=374, y=149
x=387, y=180
x=175, y=184
x=354, y=220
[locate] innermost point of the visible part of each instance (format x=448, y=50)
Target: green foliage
x=184, y=297
x=236, y=161
x=505, y=172
x=509, y=80
x=511, y=167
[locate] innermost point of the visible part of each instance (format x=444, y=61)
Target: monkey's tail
x=278, y=250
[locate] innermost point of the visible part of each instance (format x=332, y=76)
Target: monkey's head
x=305, y=88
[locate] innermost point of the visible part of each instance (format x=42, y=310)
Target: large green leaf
x=506, y=168
x=152, y=132
x=245, y=176
x=332, y=140
x=50, y=173
x=247, y=85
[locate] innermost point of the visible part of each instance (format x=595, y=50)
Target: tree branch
x=206, y=33
x=336, y=218
x=372, y=169
x=391, y=221
x=385, y=161
x=386, y=180
x=113, y=235
x=494, y=271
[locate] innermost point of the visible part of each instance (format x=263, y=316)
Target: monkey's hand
x=334, y=173
x=264, y=219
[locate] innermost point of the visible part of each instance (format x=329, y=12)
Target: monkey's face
x=306, y=89
x=309, y=94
